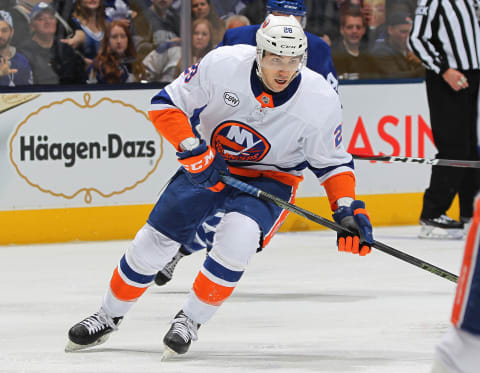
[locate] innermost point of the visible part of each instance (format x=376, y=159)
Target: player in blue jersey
x=319, y=60
x=264, y=119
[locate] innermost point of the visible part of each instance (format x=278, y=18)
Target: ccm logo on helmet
x=231, y=99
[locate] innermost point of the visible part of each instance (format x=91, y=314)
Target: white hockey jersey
x=286, y=132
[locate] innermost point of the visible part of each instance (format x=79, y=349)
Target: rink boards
x=89, y=165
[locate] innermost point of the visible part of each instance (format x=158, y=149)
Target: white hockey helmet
x=282, y=36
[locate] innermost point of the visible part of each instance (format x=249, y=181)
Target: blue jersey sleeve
x=240, y=35
x=320, y=59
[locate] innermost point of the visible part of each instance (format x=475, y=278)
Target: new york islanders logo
x=238, y=142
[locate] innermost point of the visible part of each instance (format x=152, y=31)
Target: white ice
x=300, y=307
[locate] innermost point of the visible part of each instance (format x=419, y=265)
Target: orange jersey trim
x=279, y=221
x=210, y=292
x=283, y=177
x=338, y=186
x=265, y=100
x=123, y=291
x=172, y=124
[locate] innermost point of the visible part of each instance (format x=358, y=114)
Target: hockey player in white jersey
x=319, y=60
x=263, y=118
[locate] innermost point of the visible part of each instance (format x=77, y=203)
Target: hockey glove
x=203, y=166
x=354, y=218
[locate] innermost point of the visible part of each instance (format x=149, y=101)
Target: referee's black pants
x=453, y=118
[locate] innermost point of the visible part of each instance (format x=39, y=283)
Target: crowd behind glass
x=123, y=41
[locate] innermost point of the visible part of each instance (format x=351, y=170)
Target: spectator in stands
x=119, y=10
x=163, y=27
x=14, y=67
x=203, y=9
x=117, y=60
x=393, y=59
x=349, y=54
x=236, y=21
x=89, y=15
x=67, y=32
x=202, y=32
x=202, y=36
x=228, y=8
x=161, y=63
x=52, y=61
x=374, y=12
x=324, y=19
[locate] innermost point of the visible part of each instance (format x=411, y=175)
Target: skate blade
x=436, y=233
x=168, y=354
x=72, y=346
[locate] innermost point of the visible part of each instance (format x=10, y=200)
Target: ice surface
x=300, y=307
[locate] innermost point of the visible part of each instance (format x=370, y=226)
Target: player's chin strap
x=254, y=191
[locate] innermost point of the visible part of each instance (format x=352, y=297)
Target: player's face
x=201, y=36
x=200, y=9
x=6, y=34
x=278, y=71
x=118, y=40
x=353, y=30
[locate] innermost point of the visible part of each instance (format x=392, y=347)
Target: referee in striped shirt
x=446, y=37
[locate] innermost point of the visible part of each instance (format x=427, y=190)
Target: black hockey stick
x=430, y=161
x=254, y=191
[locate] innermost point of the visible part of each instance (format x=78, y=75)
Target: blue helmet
x=293, y=7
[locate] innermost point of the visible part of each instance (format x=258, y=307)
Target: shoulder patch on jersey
x=231, y=99
x=421, y=10
x=236, y=141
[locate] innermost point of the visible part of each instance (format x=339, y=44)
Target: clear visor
x=275, y=62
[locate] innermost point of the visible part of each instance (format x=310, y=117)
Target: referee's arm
x=421, y=35
x=430, y=17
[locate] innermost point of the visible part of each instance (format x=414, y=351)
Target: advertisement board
x=66, y=156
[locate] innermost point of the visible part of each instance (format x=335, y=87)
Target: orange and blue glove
x=354, y=218
x=203, y=166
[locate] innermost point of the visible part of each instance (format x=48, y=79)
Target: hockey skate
x=180, y=335
x=166, y=273
x=442, y=227
x=92, y=331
